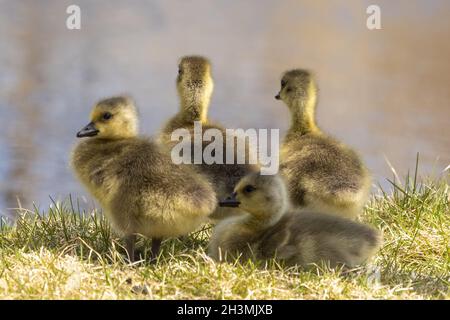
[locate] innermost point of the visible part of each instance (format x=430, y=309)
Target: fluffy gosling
x=195, y=86
x=270, y=228
x=322, y=174
x=134, y=180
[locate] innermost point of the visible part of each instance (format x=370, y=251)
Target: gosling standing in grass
x=134, y=179
x=322, y=174
x=271, y=229
x=195, y=86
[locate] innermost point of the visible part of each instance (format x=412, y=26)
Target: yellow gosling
x=141, y=191
x=322, y=174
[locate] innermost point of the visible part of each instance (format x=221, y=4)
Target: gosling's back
x=298, y=238
x=323, y=174
x=302, y=238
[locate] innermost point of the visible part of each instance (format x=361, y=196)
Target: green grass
x=69, y=254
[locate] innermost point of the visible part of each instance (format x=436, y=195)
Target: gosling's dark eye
x=283, y=83
x=180, y=71
x=107, y=116
x=249, y=189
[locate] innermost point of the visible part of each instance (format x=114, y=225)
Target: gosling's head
x=263, y=196
x=297, y=86
x=112, y=118
x=194, y=82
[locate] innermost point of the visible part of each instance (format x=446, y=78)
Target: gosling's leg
x=156, y=246
x=130, y=242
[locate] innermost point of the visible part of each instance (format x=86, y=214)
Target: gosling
x=195, y=86
x=133, y=178
x=270, y=228
x=322, y=174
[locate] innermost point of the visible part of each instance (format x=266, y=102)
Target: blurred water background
x=384, y=92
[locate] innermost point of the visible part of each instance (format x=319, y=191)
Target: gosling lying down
x=271, y=229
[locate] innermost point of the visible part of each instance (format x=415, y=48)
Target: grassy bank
x=68, y=254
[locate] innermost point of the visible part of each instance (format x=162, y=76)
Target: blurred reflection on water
x=384, y=92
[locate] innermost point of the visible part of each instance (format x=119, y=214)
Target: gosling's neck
x=303, y=111
x=303, y=118
x=258, y=223
x=195, y=109
x=111, y=139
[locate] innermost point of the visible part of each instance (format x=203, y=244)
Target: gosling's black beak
x=88, y=131
x=278, y=97
x=230, y=201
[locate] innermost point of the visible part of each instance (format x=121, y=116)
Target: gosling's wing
x=335, y=239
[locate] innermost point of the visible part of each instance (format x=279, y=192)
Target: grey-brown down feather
x=140, y=189
x=271, y=228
